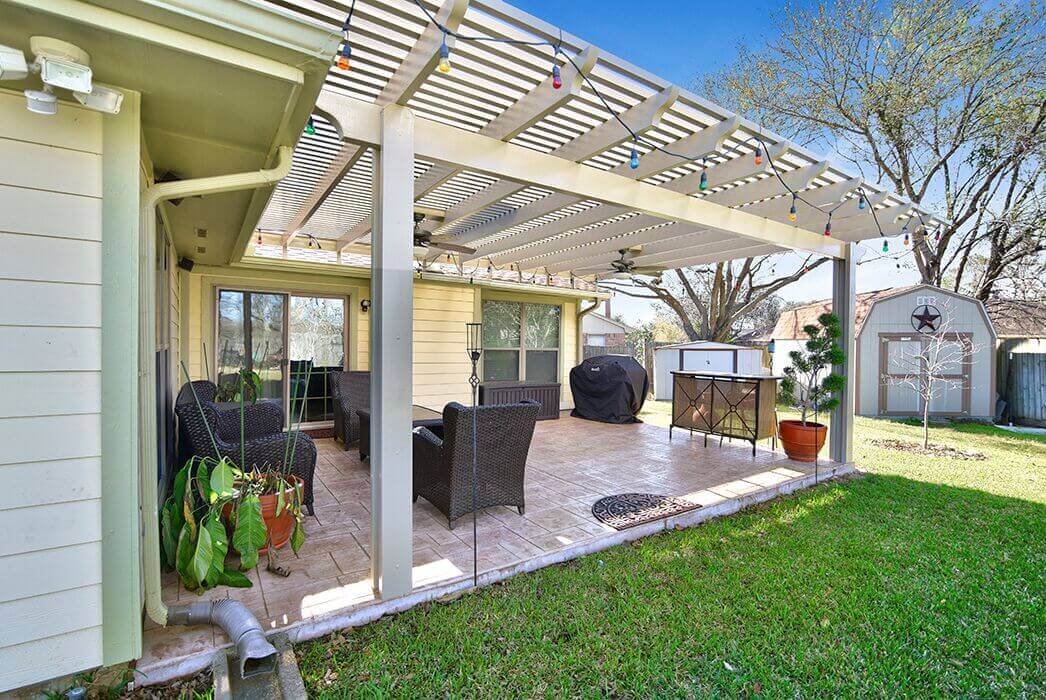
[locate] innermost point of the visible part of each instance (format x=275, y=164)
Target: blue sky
x=680, y=41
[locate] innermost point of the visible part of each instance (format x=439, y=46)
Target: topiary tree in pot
x=811, y=387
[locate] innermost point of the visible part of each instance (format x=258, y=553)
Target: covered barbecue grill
x=609, y=388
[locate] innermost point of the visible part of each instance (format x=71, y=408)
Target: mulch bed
x=932, y=450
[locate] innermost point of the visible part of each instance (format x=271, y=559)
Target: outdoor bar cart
x=725, y=404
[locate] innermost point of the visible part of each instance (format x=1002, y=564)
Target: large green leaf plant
x=212, y=497
x=809, y=385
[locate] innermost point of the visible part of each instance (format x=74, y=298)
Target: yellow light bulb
x=444, y=65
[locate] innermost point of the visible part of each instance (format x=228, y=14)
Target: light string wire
x=761, y=148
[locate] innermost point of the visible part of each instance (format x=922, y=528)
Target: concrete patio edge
x=305, y=630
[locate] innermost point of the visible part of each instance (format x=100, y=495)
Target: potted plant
x=810, y=387
x=215, y=504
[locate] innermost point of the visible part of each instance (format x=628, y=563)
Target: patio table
x=421, y=416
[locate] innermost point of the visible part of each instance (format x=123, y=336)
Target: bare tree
x=935, y=364
x=941, y=98
x=719, y=301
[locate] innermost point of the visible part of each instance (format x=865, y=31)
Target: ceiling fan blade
x=453, y=247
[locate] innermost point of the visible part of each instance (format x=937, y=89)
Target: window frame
x=522, y=349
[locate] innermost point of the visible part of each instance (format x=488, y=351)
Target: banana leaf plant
x=212, y=497
x=245, y=386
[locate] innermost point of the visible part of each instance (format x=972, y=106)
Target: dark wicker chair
x=265, y=443
x=351, y=392
x=443, y=464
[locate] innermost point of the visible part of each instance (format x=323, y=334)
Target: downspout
x=581, y=313
x=150, y=199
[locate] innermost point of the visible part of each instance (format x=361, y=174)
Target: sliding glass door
x=293, y=342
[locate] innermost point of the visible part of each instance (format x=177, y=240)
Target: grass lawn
x=925, y=577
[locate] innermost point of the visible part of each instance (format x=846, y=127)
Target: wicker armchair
x=265, y=443
x=443, y=464
x=351, y=391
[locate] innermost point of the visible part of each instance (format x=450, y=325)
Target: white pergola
x=536, y=178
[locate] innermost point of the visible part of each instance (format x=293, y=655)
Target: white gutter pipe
x=581, y=313
x=152, y=197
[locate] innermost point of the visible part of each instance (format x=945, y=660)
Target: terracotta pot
x=802, y=441
x=279, y=527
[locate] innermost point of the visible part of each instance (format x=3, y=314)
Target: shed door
x=708, y=360
x=899, y=359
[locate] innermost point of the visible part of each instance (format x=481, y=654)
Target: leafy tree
x=943, y=99
x=805, y=385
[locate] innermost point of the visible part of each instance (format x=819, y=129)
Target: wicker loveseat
x=351, y=391
x=443, y=463
x=265, y=443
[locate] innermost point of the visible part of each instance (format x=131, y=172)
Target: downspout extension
x=151, y=197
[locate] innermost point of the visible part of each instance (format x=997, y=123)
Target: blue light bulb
x=633, y=162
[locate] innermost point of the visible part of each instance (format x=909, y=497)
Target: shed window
x=520, y=341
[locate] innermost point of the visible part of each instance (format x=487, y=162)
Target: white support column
x=391, y=389
x=844, y=296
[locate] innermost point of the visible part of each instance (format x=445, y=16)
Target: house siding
x=50, y=392
x=441, y=310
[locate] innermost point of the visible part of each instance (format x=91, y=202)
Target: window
x=520, y=341
x=598, y=341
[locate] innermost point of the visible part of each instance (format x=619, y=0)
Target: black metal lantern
x=474, y=338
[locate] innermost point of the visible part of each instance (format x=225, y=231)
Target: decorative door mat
x=626, y=510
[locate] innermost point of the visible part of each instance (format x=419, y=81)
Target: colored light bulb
x=633, y=161
x=792, y=211
x=342, y=61
x=444, y=58
x=557, y=77
x=259, y=239
x=758, y=155
x=860, y=201
x=937, y=236
x=310, y=127
x=828, y=228
x=886, y=246
x=704, y=181
x=907, y=239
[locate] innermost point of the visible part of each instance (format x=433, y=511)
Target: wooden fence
x=1025, y=389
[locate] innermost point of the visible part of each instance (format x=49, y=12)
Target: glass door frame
x=286, y=362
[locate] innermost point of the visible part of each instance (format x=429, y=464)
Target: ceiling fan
x=625, y=267
x=423, y=239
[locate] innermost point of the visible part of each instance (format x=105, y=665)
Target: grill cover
x=609, y=388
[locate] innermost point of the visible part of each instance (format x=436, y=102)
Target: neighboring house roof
x=1017, y=319
x=625, y=328
x=790, y=324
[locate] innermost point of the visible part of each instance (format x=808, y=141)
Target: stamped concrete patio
x=572, y=464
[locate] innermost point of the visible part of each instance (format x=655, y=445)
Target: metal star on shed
x=926, y=317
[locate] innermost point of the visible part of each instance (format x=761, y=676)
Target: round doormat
x=625, y=510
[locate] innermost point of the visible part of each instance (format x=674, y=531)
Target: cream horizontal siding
x=50, y=362
x=441, y=367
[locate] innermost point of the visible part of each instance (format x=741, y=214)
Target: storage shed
x=704, y=356
x=892, y=325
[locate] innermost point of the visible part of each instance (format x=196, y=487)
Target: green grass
x=923, y=578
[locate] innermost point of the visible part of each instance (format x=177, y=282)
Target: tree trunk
x=926, y=426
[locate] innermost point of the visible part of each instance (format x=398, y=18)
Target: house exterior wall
x=50, y=392
x=893, y=316
x=441, y=310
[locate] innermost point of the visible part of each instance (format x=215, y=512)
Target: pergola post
x=391, y=389
x=844, y=302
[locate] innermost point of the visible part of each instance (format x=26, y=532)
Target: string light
x=342, y=61
x=259, y=238
x=886, y=246
x=907, y=240
x=937, y=235
x=310, y=127
x=444, y=66
x=444, y=56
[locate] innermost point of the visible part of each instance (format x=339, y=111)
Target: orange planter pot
x=802, y=441
x=279, y=526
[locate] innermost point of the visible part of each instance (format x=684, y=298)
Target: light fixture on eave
x=61, y=66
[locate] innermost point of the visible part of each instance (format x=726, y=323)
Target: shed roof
x=612, y=321
x=703, y=345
